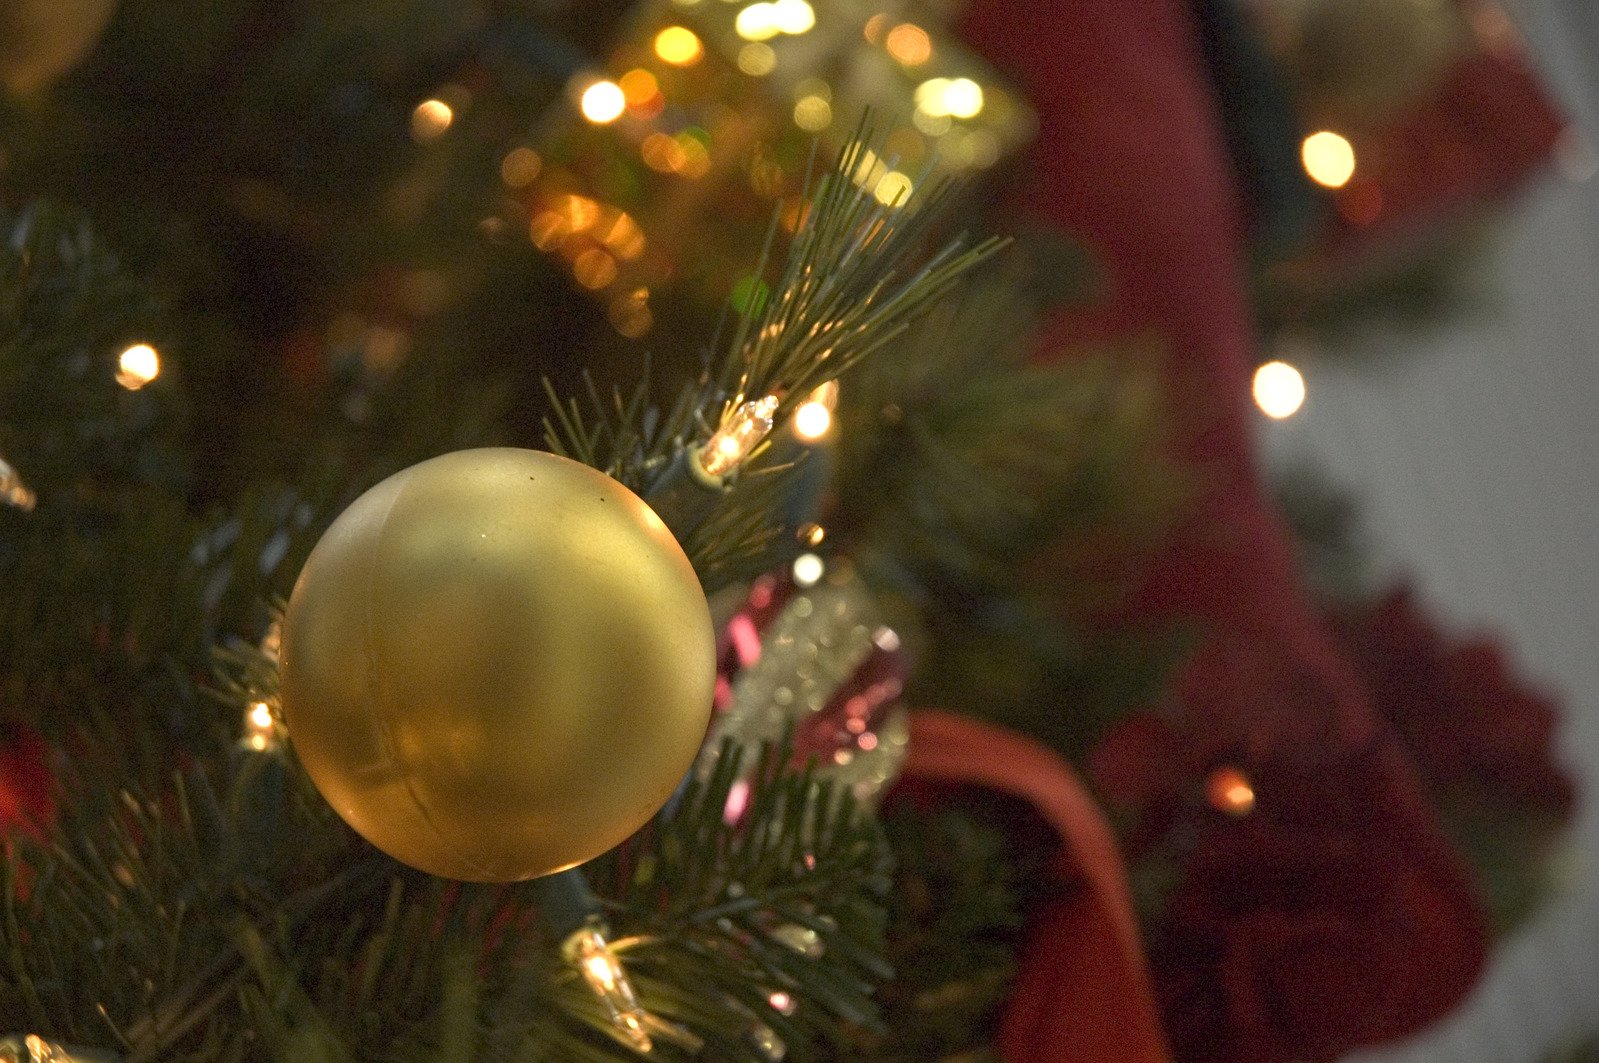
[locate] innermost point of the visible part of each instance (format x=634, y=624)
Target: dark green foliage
x=1002, y=500
x=232, y=917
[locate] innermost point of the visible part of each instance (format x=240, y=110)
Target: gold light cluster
x=596, y=239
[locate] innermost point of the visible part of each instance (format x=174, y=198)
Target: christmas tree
x=484, y=486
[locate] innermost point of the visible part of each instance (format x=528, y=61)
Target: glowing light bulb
x=808, y=570
x=738, y=437
x=1279, y=390
x=430, y=119
x=591, y=954
x=909, y=44
x=603, y=102
x=963, y=98
x=1228, y=790
x=679, y=46
x=1329, y=159
x=757, y=22
x=811, y=534
x=137, y=366
x=794, y=16
x=812, y=421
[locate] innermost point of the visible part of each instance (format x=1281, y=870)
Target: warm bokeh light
x=813, y=114
x=662, y=152
x=1329, y=159
x=630, y=314
x=623, y=237
x=808, y=570
x=1228, y=790
x=909, y=44
x=603, y=102
x=137, y=366
x=949, y=97
x=757, y=60
x=757, y=22
x=873, y=30
x=1279, y=389
x=794, y=16
x=679, y=46
x=594, y=268
x=811, y=534
x=520, y=167
x=638, y=86
x=812, y=421
x=430, y=119
x=894, y=189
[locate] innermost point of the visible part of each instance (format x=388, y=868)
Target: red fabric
x=1489, y=125
x=1082, y=990
x=1130, y=158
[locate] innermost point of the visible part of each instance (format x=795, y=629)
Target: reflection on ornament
x=497, y=664
x=13, y=492
x=813, y=660
x=137, y=366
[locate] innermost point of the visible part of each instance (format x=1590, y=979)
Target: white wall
x=1475, y=449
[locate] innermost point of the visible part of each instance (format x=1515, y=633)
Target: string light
x=430, y=119
x=949, y=97
x=808, y=570
x=679, y=46
x=811, y=534
x=1329, y=159
x=738, y=437
x=602, y=102
x=814, y=418
x=794, y=17
x=757, y=22
x=137, y=366
x=1279, y=390
x=909, y=44
x=894, y=189
x=1228, y=790
x=260, y=727
x=757, y=60
x=588, y=950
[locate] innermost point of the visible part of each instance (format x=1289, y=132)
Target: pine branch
x=852, y=282
x=246, y=923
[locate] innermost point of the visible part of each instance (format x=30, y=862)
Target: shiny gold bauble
x=497, y=664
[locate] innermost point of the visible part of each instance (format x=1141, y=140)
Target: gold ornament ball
x=497, y=664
